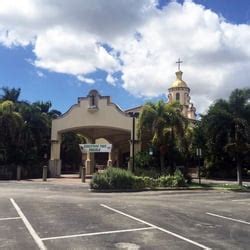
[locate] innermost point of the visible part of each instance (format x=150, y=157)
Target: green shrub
x=176, y=180
x=139, y=182
x=166, y=181
x=119, y=178
x=113, y=178
x=152, y=183
x=179, y=180
x=147, y=181
x=99, y=181
x=116, y=178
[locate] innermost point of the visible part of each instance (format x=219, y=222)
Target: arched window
x=177, y=97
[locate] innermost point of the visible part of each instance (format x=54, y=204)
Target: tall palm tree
x=164, y=123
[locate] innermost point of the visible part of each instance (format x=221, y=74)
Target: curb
x=146, y=190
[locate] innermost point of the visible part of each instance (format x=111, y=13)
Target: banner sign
x=95, y=148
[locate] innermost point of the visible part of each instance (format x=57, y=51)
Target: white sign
x=95, y=148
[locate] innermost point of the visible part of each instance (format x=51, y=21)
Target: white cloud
x=40, y=73
x=134, y=38
x=111, y=79
x=68, y=52
x=85, y=79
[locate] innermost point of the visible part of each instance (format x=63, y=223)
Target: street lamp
x=133, y=115
x=151, y=151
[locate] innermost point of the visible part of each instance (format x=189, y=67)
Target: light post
x=133, y=115
x=238, y=166
x=198, y=154
x=45, y=168
x=151, y=151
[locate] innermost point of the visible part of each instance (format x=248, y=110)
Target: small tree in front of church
x=165, y=125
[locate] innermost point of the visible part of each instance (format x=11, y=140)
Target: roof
x=179, y=82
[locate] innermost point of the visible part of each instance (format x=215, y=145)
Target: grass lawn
x=233, y=187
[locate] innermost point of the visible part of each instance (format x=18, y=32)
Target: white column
x=110, y=163
x=90, y=161
x=55, y=161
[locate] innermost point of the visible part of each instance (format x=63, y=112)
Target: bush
x=176, y=180
x=116, y=178
x=119, y=178
x=99, y=181
x=151, y=182
x=179, y=180
x=139, y=182
x=166, y=181
x=113, y=178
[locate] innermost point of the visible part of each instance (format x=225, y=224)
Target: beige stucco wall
x=81, y=115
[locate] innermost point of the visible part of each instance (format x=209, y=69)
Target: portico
x=97, y=118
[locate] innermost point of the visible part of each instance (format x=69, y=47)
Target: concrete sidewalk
x=72, y=179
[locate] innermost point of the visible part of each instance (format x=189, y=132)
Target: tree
x=227, y=129
x=10, y=94
x=11, y=124
x=24, y=131
x=43, y=107
x=164, y=123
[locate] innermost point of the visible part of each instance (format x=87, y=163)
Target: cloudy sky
x=58, y=49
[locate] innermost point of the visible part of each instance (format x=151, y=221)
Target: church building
x=102, y=122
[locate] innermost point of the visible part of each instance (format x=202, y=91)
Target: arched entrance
x=94, y=116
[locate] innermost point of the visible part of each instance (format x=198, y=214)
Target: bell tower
x=179, y=92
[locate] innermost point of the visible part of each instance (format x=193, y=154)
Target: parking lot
x=63, y=216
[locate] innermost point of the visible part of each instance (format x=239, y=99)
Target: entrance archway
x=94, y=116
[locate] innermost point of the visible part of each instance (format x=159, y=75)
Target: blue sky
x=28, y=62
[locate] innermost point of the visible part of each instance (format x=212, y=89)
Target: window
x=177, y=97
x=93, y=98
x=92, y=101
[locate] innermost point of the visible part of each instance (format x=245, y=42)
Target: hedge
x=116, y=178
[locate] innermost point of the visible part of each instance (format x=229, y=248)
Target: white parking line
x=156, y=227
x=10, y=218
x=242, y=200
x=98, y=233
x=228, y=218
x=31, y=230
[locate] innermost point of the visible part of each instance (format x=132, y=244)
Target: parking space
x=50, y=218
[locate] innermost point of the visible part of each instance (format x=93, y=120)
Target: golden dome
x=179, y=82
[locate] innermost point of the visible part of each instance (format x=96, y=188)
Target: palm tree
x=10, y=94
x=44, y=107
x=164, y=123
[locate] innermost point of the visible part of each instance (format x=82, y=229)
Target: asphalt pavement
x=36, y=215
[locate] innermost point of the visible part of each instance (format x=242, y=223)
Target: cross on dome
x=179, y=64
